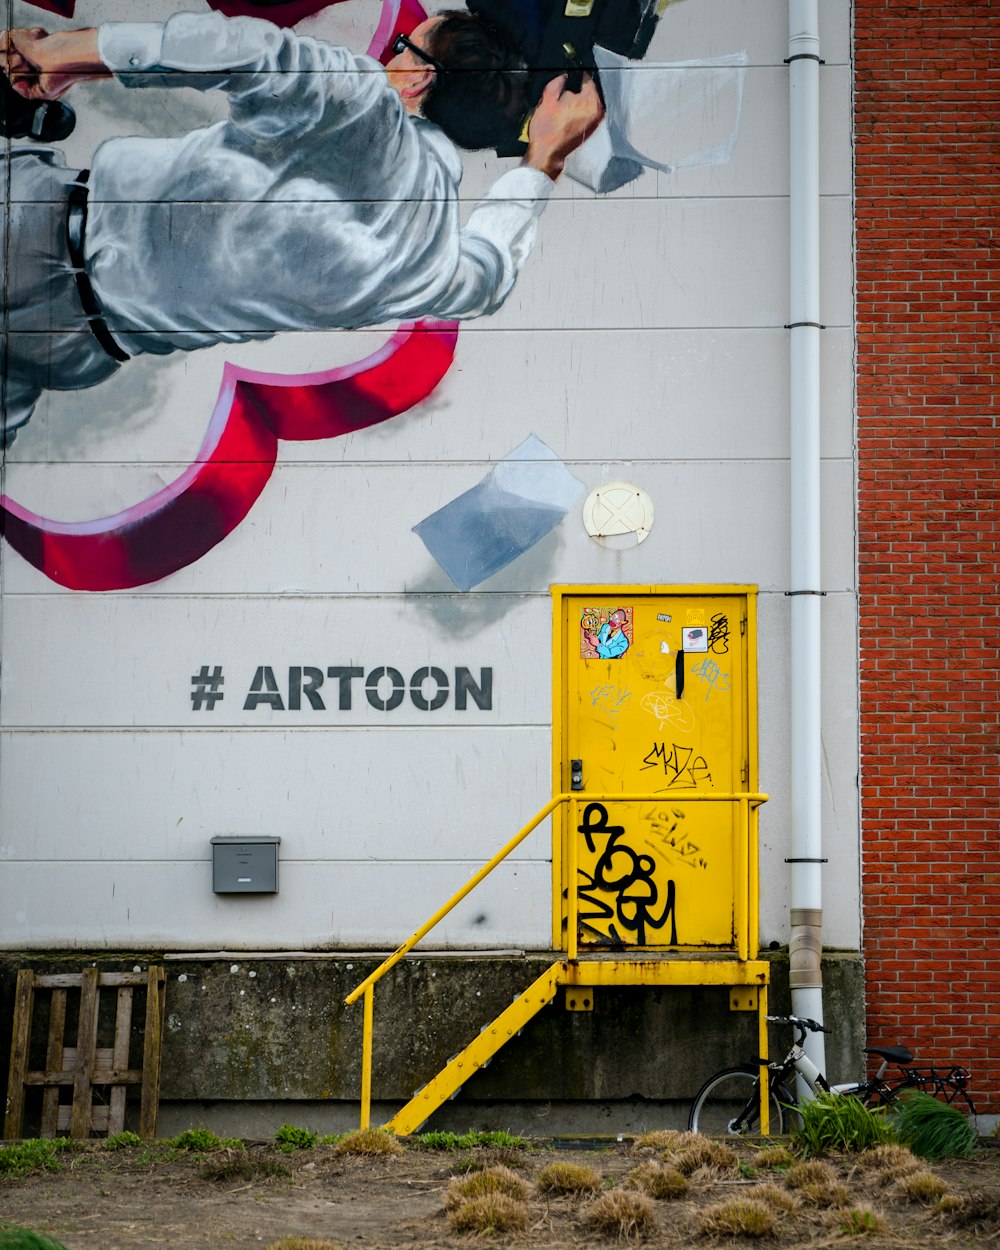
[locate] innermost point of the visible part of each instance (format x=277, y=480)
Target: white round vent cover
x=619, y=513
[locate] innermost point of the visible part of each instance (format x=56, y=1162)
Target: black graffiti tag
x=718, y=635
x=628, y=876
x=680, y=765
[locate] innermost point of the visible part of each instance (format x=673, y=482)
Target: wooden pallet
x=87, y=1068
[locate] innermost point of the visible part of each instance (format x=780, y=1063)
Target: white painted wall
x=644, y=340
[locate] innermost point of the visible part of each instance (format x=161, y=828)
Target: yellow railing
x=746, y=903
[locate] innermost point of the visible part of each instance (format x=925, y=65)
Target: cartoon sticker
x=605, y=633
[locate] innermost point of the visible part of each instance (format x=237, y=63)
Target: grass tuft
x=622, y=1215
x=14, y=1237
x=836, y=1123
x=490, y=1181
x=919, y=1186
x=489, y=1214
x=121, y=1141
x=774, y=1158
x=662, y=1139
x=706, y=1157
x=567, y=1178
x=775, y=1196
x=739, y=1217
x=657, y=1180
x=304, y=1243
x=886, y=1163
x=933, y=1129
x=368, y=1141
x=861, y=1221
x=811, y=1172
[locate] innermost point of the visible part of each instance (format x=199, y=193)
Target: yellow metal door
x=654, y=697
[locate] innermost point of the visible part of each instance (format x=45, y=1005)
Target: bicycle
x=729, y=1102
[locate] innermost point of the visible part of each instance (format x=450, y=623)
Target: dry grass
x=567, y=1178
x=775, y=1196
x=739, y=1217
x=304, y=1243
x=887, y=1163
x=919, y=1186
x=770, y=1157
x=657, y=1180
x=859, y=1221
x=662, y=1139
x=489, y=1214
x=811, y=1172
x=368, y=1141
x=622, y=1215
x=486, y=1183
x=709, y=1159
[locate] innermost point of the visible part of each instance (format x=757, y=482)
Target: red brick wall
x=928, y=470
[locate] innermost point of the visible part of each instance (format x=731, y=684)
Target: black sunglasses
x=402, y=42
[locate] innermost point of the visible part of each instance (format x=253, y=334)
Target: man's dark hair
x=481, y=99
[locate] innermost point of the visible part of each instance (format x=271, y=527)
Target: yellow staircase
x=746, y=977
x=478, y=1053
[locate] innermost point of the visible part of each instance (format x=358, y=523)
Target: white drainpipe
x=804, y=315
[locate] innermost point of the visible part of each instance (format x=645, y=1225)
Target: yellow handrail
x=747, y=802
x=455, y=899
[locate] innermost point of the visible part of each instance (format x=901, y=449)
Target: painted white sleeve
x=277, y=82
x=495, y=244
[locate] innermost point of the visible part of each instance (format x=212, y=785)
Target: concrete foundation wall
x=253, y=1041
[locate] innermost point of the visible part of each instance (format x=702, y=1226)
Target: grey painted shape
x=518, y=502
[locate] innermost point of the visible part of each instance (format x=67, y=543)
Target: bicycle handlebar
x=811, y=1026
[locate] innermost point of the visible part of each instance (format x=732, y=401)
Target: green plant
x=472, y=1140
x=203, y=1139
x=839, y=1122
x=933, y=1129
x=289, y=1137
x=32, y=1154
x=122, y=1141
x=14, y=1237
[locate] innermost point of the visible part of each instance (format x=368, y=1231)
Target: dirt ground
x=140, y=1198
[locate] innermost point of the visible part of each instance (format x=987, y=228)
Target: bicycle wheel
x=728, y=1105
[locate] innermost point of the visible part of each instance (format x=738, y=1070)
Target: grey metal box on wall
x=245, y=865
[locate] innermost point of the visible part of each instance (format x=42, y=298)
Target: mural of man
x=327, y=199
x=610, y=642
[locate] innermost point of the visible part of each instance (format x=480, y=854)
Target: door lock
x=576, y=774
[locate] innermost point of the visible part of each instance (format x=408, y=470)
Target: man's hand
x=41, y=66
x=560, y=123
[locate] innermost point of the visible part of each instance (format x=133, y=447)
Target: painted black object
x=554, y=42
x=47, y=121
